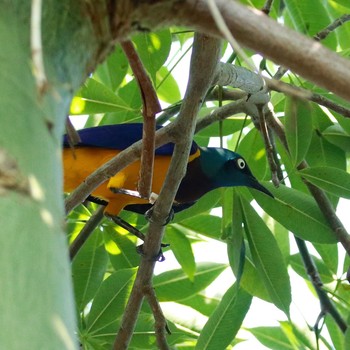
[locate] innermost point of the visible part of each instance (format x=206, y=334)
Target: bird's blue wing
x=118, y=136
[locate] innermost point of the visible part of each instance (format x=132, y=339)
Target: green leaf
x=298, y=266
x=175, y=285
x=88, y=269
x=205, y=224
x=202, y=303
x=335, y=333
x=329, y=255
x=204, y=204
x=298, y=124
x=229, y=126
x=297, y=212
x=336, y=135
x=109, y=302
x=121, y=248
x=309, y=17
x=332, y=180
x=144, y=335
x=182, y=249
x=95, y=97
x=272, y=337
x=167, y=88
x=252, y=148
x=153, y=49
x=267, y=258
x=113, y=70
x=223, y=325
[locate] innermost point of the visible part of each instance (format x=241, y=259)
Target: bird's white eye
x=240, y=163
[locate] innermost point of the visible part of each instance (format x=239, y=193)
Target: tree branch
x=151, y=107
x=252, y=29
x=204, y=59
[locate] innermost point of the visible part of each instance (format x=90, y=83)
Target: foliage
x=261, y=252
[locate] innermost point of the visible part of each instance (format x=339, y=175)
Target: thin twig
x=161, y=326
x=86, y=231
x=317, y=37
x=267, y=7
x=327, y=307
x=151, y=107
x=268, y=147
x=73, y=135
x=329, y=29
x=125, y=225
x=299, y=92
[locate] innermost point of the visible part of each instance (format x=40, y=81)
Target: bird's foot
x=159, y=257
x=170, y=217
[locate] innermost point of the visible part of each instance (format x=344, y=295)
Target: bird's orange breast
x=81, y=162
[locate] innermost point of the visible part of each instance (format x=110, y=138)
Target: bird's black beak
x=254, y=183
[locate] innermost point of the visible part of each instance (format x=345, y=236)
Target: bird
x=208, y=168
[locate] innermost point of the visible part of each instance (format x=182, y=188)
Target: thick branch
x=204, y=59
x=253, y=29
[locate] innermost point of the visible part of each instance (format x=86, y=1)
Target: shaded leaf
x=94, y=97
x=121, y=248
x=167, y=88
x=113, y=70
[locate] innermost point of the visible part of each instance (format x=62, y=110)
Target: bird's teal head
x=226, y=169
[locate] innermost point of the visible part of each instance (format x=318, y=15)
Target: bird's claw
x=159, y=257
x=170, y=217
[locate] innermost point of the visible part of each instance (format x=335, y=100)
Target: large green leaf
x=175, y=285
x=205, y=224
x=298, y=124
x=252, y=148
x=182, y=249
x=167, y=88
x=113, y=70
x=297, y=212
x=336, y=135
x=144, y=336
x=95, y=97
x=153, y=49
x=272, y=337
x=309, y=17
x=121, y=248
x=204, y=204
x=267, y=258
x=109, y=303
x=202, y=303
x=332, y=180
x=325, y=273
x=88, y=269
x=335, y=333
x=224, y=323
